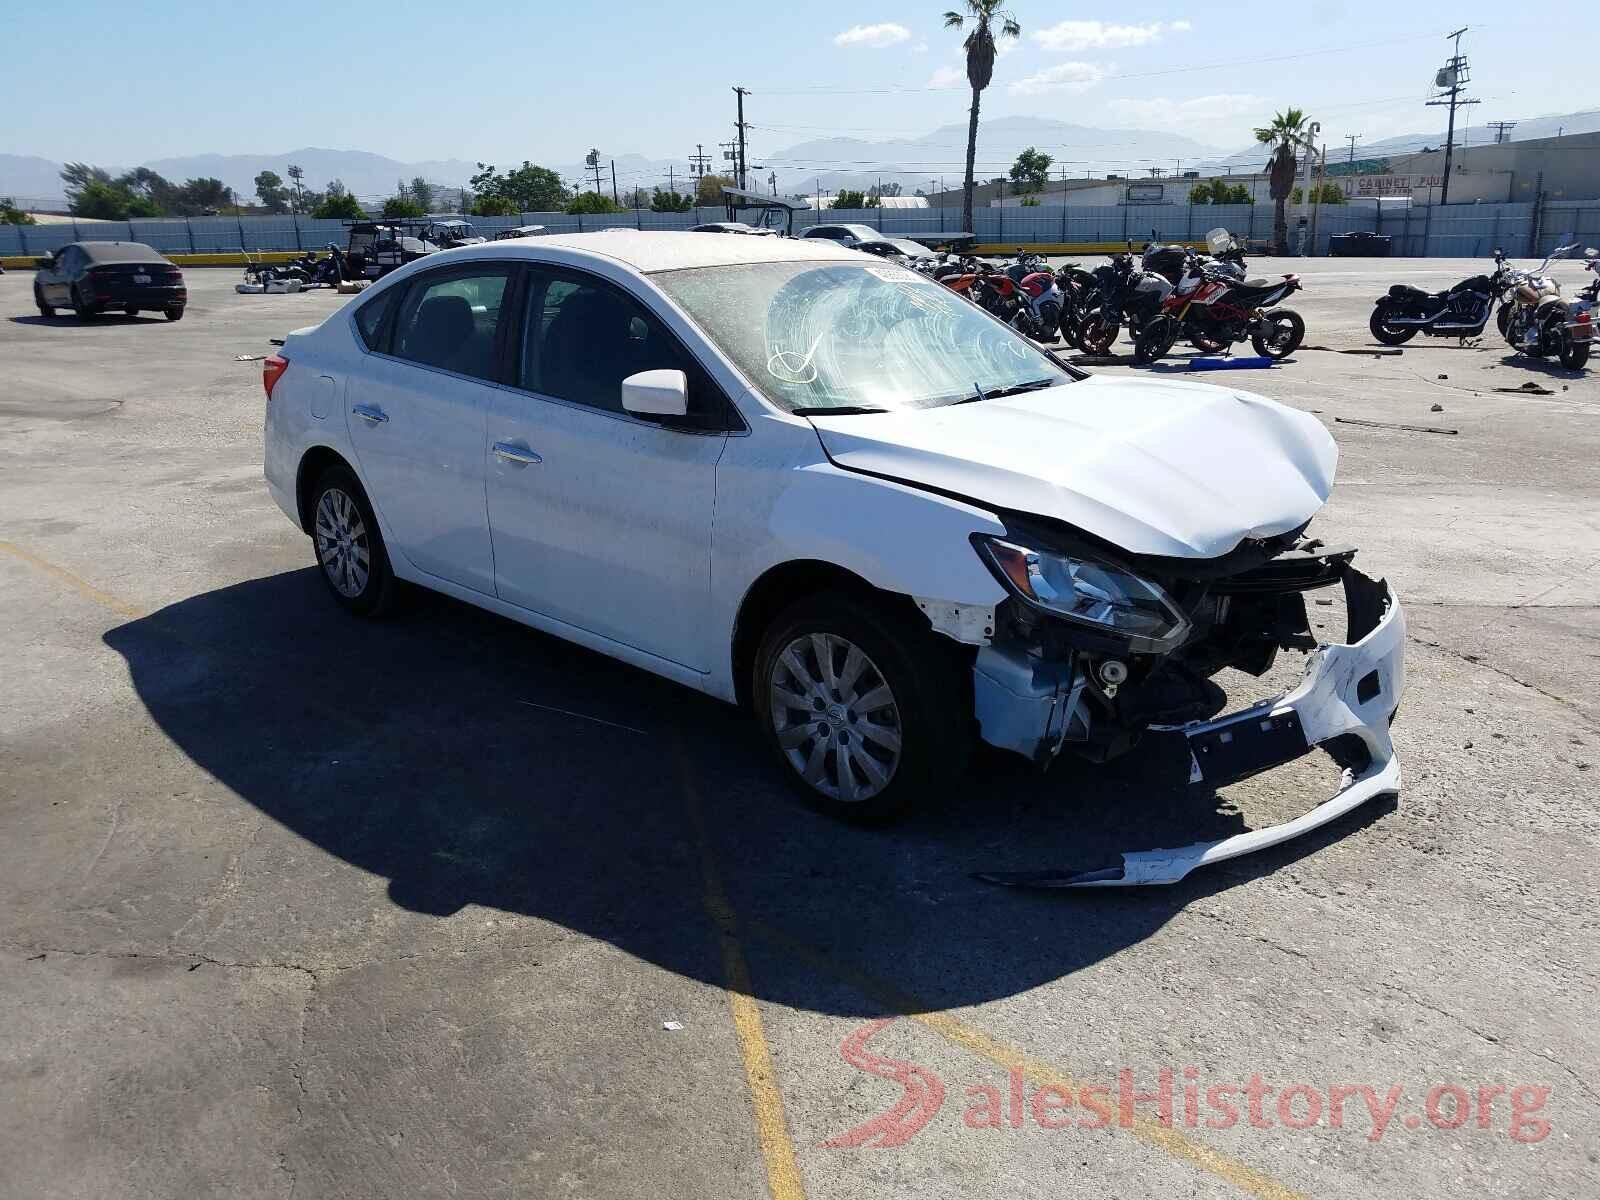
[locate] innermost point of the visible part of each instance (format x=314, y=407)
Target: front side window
x=451, y=322
x=815, y=336
x=584, y=337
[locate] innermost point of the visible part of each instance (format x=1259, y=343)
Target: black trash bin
x=1359, y=245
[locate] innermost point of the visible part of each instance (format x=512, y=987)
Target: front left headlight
x=1090, y=593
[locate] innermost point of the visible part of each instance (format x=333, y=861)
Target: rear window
x=369, y=316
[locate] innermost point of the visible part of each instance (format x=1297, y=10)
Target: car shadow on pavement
x=469, y=760
x=65, y=319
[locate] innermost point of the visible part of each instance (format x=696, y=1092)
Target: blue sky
x=502, y=82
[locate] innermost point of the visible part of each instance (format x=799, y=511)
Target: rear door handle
x=368, y=413
x=516, y=454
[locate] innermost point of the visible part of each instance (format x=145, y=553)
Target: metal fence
x=1455, y=231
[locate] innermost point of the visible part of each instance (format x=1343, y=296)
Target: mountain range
x=829, y=164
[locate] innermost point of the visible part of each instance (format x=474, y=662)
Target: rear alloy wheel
x=864, y=718
x=81, y=308
x=350, y=549
x=1154, y=339
x=1389, y=335
x=1280, y=333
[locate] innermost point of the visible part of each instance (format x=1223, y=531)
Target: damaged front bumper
x=1344, y=704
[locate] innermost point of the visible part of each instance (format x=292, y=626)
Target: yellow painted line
x=220, y=258
x=766, y=1101
x=1069, y=248
x=77, y=583
x=1230, y=1170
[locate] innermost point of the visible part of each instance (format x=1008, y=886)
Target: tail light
x=272, y=370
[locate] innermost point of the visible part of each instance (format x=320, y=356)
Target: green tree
x=152, y=186
x=1215, y=191
x=593, y=204
x=849, y=199
x=1031, y=171
x=270, y=191
x=983, y=15
x=297, y=177
x=1321, y=193
x=530, y=188
x=205, y=196
x=1285, y=135
x=403, y=204
x=338, y=205
x=422, y=192
x=663, y=201
x=708, y=189
x=10, y=214
x=105, y=200
x=494, y=206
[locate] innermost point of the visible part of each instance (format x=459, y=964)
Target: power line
x=1501, y=128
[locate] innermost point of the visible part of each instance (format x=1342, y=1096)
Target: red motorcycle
x=1214, y=309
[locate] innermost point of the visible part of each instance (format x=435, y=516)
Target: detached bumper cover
x=1349, y=690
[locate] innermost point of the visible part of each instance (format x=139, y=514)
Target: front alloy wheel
x=867, y=711
x=835, y=717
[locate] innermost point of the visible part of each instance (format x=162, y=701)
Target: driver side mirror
x=661, y=393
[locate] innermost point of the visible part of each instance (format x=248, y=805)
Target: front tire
x=1389, y=335
x=865, y=718
x=45, y=310
x=1154, y=339
x=1281, y=332
x=349, y=546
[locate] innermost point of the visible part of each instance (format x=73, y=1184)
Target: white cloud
x=1063, y=77
x=947, y=76
x=1097, y=35
x=920, y=48
x=873, y=37
x=1160, y=112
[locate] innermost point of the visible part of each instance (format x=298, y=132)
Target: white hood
x=1154, y=466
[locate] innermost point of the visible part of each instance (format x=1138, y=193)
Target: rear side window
x=369, y=317
x=452, y=322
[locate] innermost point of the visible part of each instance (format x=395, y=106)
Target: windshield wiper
x=835, y=410
x=1033, y=385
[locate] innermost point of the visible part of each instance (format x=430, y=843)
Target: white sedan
x=827, y=488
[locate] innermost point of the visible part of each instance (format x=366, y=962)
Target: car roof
x=120, y=252
x=662, y=250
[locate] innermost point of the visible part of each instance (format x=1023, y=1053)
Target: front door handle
x=516, y=454
x=368, y=413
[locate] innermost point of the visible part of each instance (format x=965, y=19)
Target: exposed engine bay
x=1095, y=649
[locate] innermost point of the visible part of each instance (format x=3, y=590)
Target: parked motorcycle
x=1171, y=262
x=1459, y=312
x=1213, y=309
x=1538, y=322
x=1126, y=295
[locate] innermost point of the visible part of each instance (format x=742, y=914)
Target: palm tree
x=983, y=14
x=1285, y=135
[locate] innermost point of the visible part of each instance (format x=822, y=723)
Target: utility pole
x=1451, y=81
x=1501, y=128
x=1352, y=138
x=740, y=94
x=592, y=161
x=615, y=199
x=699, y=162
x=772, y=182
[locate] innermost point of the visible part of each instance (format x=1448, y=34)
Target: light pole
x=1310, y=143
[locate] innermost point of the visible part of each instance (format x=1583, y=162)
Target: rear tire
x=80, y=308
x=865, y=715
x=1098, y=333
x=1283, y=331
x=353, y=562
x=174, y=313
x=45, y=310
x=1387, y=334
x=1575, y=355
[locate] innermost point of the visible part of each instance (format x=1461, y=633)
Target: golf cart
x=449, y=232
x=768, y=213
x=378, y=247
